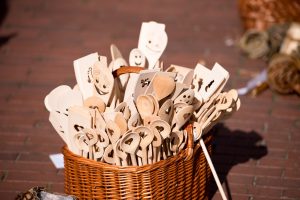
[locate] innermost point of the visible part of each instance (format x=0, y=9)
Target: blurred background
x=256, y=151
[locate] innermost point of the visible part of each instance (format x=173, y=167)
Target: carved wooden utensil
x=113, y=131
x=156, y=143
x=123, y=108
x=146, y=139
x=134, y=121
x=85, y=141
x=95, y=102
x=145, y=106
x=152, y=41
x=176, y=138
x=109, y=155
x=121, y=156
x=102, y=143
x=130, y=143
x=181, y=117
x=166, y=111
x=163, y=86
x=164, y=129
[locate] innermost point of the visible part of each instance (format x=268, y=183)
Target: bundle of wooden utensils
x=126, y=119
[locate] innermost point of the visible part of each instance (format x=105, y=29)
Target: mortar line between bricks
x=35, y=171
x=263, y=187
x=29, y=181
x=32, y=162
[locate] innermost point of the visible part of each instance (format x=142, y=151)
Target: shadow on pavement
x=232, y=148
x=4, y=8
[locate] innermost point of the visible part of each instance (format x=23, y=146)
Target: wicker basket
x=174, y=178
x=261, y=14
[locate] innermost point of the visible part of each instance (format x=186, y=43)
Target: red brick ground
x=257, y=151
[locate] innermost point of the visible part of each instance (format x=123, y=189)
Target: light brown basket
x=174, y=178
x=184, y=176
x=261, y=14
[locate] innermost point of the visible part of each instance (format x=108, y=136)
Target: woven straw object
x=183, y=176
x=284, y=74
x=261, y=14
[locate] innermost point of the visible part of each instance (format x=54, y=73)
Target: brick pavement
x=257, y=151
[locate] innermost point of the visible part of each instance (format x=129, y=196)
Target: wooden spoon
x=176, y=138
x=123, y=108
x=91, y=139
x=145, y=106
x=102, y=143
x=129, y=143
x=181, y=117
x=95, y=102
x=179, y=106
x=85, y=141
x=134, y=121
x=109, y=155
x=156, y=143
x=81, y=146
x=148, y=120
x=121, y=156
x=155, y=103
x=166, y=110
x=121, y=122
x=197, y=131
x=185, y=139
x=164, y=129
x=163, y=86
x=146, y=139
x=113, y=131
x=215, y=110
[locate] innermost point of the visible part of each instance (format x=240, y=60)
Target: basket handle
x=126, y=70
x=190, y=143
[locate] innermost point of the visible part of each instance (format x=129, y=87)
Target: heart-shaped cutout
x=162, y=127
x=130, y=142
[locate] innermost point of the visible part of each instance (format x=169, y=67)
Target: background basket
x=174, y=178
x=261, y=14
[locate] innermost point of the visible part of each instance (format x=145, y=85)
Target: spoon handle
x=133, y=159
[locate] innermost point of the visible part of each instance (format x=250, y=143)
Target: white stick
x=213, y=169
